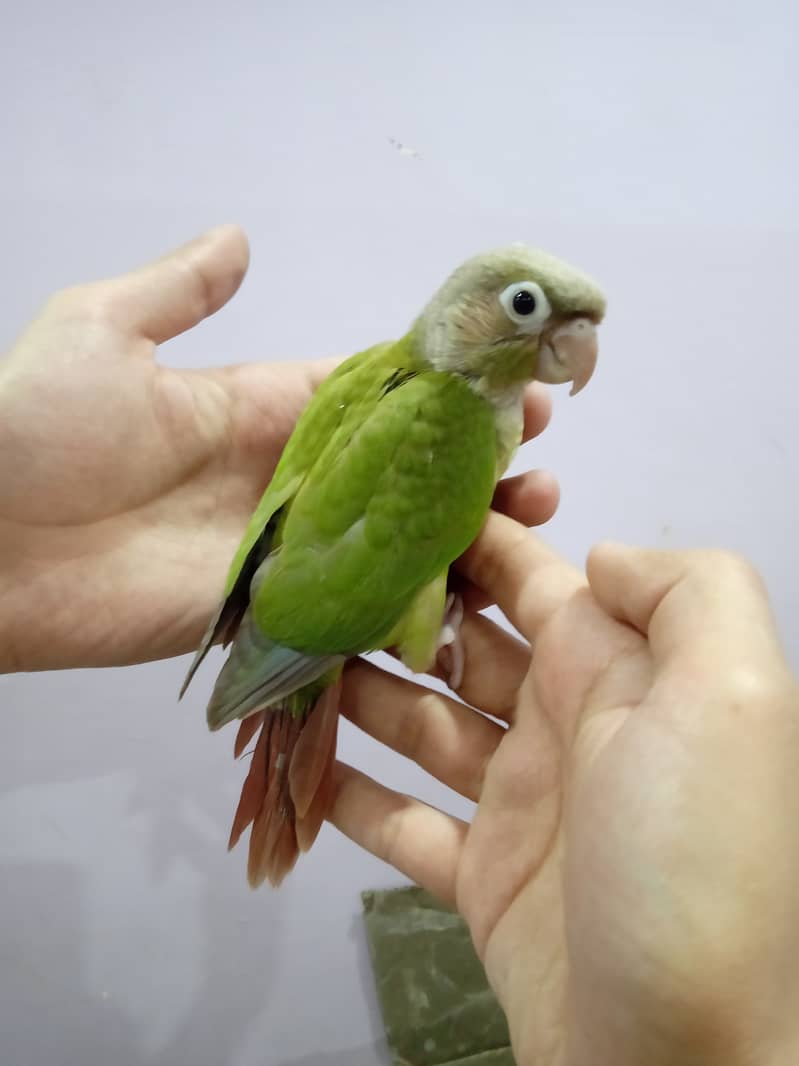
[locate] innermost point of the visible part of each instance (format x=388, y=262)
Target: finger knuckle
x=199, y=287
x=412, y=727
x=389, y=840
x=62, y=300
x=733, y=566
x=89, y=300
x=486, y=567
x=546, y=595
x=751, y=688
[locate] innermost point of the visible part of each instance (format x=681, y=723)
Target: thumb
x=174, y=293
x=700, y=604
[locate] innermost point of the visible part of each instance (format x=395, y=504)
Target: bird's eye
x=525, y=304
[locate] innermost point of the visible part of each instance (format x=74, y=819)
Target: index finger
x=706, y=604
x=526, y=578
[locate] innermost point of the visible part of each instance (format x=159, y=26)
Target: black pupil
x=523, y=302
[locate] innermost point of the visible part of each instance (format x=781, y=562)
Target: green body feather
x=386, y=479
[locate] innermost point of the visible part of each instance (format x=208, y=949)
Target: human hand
x=126, y=485
x=631, y=874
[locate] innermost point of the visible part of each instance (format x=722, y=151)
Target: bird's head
x=510, y=316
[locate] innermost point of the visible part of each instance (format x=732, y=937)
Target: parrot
x=384, y=482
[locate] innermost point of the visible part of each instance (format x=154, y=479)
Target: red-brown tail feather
x=254, y=787
x=316, y=747
x=247, y=730
x=310, y=822
x=288, y=788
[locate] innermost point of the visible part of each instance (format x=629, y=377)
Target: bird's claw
x=450, y=640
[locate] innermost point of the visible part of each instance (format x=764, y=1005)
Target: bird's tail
x=289, y=787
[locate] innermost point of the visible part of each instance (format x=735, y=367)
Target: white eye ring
x=526, y=305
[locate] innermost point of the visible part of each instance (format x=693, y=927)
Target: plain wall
x=655, y=145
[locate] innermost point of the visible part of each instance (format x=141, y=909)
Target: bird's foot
x=450, y=642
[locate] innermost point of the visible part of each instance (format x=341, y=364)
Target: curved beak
x=569, y=353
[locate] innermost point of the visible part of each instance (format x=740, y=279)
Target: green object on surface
x=437, y=1007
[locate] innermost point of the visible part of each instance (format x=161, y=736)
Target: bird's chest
x=508, y=422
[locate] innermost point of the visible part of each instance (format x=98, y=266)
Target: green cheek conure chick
x=385, y=481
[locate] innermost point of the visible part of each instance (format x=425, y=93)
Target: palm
x=140, y=481
x=552, y=825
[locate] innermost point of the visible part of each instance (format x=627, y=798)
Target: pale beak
x=569, y=354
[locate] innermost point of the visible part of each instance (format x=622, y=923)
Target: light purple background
x=656, y=149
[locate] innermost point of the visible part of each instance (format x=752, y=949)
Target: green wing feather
x=336, y=403
x=332, y=412
x=399, y=490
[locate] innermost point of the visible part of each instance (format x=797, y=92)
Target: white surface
x=656, y=149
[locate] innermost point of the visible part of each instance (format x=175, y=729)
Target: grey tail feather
x=212, y=632
x=227, y=619
x=259, y=673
